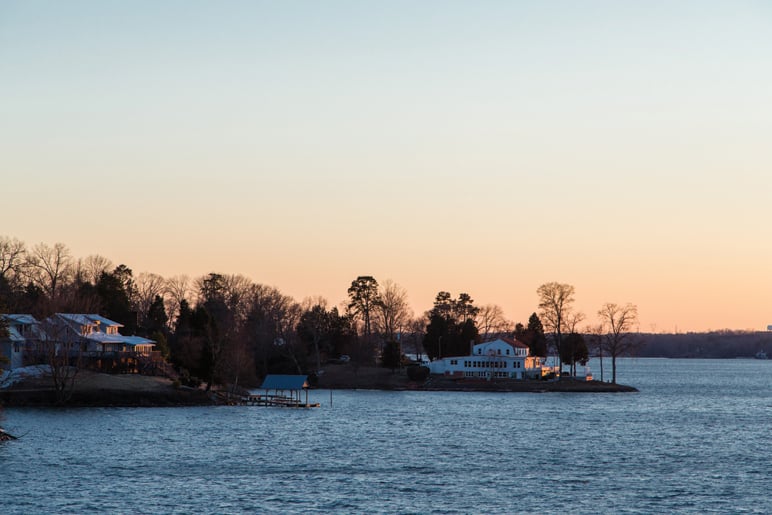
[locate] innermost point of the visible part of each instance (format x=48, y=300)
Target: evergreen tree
x=392, y=355
x=574, y=350
x=538, y=341
x=451, y=326
x=365, y=298
x=156, y=316
x=114, y=299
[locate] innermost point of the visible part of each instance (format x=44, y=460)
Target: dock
x=277, y=401
x=286, y=393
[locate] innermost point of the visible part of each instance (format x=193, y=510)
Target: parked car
x=343, y=358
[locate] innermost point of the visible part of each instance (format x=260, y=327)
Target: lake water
x=696, y=439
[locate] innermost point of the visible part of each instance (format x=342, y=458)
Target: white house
x=24, y=334
x=504, y=358
x=95, y=333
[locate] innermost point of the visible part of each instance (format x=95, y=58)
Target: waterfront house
x=23, y=338
x=95, y=341
x=503, y=358
x=95, y=334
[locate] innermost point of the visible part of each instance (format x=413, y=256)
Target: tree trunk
x=614, y=368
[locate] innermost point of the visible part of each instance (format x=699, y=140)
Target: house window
x=479, y=351
x=498, y=351
x=507, y=352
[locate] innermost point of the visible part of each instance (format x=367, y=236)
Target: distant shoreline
x=519, y=386
x=347, y=377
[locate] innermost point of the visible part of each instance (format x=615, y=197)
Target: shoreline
x=346, y=377
x=520, y=386
x=103, y=390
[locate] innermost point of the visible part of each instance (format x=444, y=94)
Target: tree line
x=222, y=328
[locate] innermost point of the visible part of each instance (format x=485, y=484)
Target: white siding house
x=24, y=334
x=95, y=333
x=504, y=358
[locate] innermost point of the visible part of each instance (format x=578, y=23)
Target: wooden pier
x=277, y=401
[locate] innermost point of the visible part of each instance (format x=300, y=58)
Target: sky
x=484, y=147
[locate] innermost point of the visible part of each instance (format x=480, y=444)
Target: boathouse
x=282, y=390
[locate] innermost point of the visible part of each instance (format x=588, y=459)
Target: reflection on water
x=694, y=440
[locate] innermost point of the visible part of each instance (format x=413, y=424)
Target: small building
x=286, y=392
x=503, y=358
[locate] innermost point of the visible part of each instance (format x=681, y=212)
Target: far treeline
x=226, y=329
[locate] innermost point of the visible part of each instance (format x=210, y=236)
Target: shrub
x=313, y=379
x=417, y=373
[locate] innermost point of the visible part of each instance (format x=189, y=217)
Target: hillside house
x=95, y=341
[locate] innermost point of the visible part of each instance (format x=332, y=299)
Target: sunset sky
x=483, y=147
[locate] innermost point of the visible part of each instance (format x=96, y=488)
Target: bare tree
x=12, y=252
x=62, y=353
x=416, y=328
x=271, y=322
x=555, y=300
x=147, y=287
x=49, y=267
x=572, y=324
x=238, y=360
x=393, y=312
x=237, y=291
x=597, y=333
x=91, y=268
x=315, y=321
x=177, y=290
x=618, y=320
x=491, y=322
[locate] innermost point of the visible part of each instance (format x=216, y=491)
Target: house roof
x=101, y=337
x=14, y=335
x=138, y=340
x=76, y=320
x=14, y=323
x=284, y=382
x=514, y=343
x=88, y=319
x=20, y=319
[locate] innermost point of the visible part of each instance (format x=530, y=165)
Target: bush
x=418, y=373
x=313, y=379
